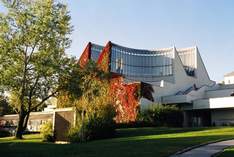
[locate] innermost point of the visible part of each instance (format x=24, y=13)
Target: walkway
x=207, y=150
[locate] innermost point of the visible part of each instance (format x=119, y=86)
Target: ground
x=144, y=142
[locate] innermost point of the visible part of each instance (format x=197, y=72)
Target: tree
x=5, y=107
x=14, y=102
x=33, y=39
x=87, y=89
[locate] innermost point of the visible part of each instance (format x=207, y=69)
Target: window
x=141, y=64
x=119, y=65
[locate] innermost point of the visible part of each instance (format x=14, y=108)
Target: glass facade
x=141, y=65
x=136, y=64
x=95, y=51
x=145, y=65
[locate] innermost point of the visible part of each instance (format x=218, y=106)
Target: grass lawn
x=144, y=142
x=229, y=152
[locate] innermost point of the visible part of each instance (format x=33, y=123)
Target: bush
x=47, y=132
x=98, y=126
x=74, y=134
x=162, y=115
x=88, y=90
x=4, y=133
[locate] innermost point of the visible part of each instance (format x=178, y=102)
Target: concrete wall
x=214, y=103
x=181, y=83
x=218, y=93
x=229, y=80
x=63, y=120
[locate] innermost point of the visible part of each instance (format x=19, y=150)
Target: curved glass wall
x=136, y=64
x=141, y=65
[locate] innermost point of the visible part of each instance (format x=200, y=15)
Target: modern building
x=178, y=76
x=172, y=75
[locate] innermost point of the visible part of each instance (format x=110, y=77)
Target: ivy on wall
x=125, y=96
x=86, y=55
x=104, y=58
x=126, y=99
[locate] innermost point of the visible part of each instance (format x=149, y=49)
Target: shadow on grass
x=131, y=147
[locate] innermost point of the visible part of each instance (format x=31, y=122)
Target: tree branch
x=34, y=85
x=33, y=48
x=46, y=98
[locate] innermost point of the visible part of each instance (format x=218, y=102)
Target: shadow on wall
x=62, y=122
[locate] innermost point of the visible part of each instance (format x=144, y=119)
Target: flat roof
x=229, y=74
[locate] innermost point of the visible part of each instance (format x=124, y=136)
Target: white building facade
x=229, y=78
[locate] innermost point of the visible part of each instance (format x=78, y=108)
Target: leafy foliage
x=47, y=132
x=162, y=115
x=88, y=92
x=125, y=99
x=4, y=133
x=5, y=107
x=93, y=126
x=33, y=39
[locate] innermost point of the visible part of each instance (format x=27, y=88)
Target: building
x=229, y=78
x=164, y=76
x=177, y=76
x=62, y=119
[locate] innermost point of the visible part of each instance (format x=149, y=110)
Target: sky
x=150, y=24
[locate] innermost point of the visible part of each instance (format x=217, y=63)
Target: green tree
x=87, y=90
x=14, y=102
x=5, y=107
x=33, y=39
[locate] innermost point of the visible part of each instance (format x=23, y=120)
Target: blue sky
x=149, y=24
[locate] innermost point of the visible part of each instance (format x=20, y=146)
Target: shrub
x=162, y=115
x=47, y=132
x=88, y=91
x=74, y=134
x=4, y=133
x=97, y=126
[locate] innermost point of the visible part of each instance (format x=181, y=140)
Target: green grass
x=229, y=152
x=144, y=142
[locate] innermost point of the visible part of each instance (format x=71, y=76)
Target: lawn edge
x=219, y=153
x=200, y=145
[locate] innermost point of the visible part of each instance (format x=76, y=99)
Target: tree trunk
x=20, y=127
x=26, y=121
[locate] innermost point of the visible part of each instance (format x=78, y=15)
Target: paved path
x=207, y=150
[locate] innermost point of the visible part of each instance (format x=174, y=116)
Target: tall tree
x=33, y=38
x=5, y=107
x=87, y=89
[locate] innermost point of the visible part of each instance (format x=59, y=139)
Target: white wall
x=182, y=81
x=229, y=80
x=214, y=103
